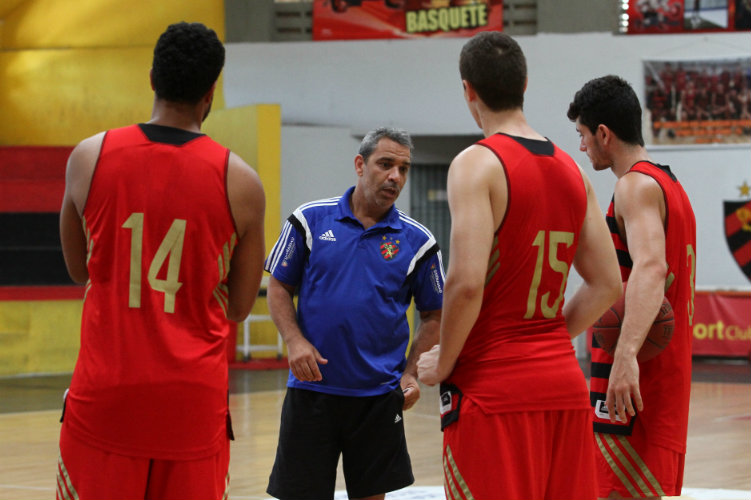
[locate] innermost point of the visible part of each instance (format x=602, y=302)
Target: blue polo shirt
x=355, y=286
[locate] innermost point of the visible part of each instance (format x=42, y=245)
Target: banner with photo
x=697, y=101
x=381, y=19
x=686, y=16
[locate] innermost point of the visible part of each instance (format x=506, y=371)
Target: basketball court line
x=436, y=493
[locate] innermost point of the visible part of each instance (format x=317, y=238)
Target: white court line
x=436, y=493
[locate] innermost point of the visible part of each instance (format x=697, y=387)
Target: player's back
x=160, y=234
x=520, y=334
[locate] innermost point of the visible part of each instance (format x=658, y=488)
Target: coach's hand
x=304, y=360
x=411, y=390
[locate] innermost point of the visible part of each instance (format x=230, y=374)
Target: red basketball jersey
x=664, y=381
x=151, y=376
x=519, y=355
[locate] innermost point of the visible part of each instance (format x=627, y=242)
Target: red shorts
x=635, y=469
x=519, y=455
x=86, y=472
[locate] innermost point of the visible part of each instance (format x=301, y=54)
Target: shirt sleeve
x=427, y=287
x=287, y=257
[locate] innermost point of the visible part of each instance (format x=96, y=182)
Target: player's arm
x=640, y=209
x=303, y=357
x=248, y=204
x=426, y=336
x=477, y=207
x=596, y=262
x=78, y=174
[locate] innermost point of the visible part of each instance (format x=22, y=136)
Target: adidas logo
x=397, y=419
x=327, y=236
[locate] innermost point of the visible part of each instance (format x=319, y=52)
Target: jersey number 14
x=170, y=248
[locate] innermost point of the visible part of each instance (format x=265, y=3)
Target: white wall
x=317, y=162
x=351, y=87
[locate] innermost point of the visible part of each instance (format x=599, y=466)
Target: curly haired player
x=640, y=409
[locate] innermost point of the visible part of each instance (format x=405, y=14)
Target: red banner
x=687, y=16
x=382, y=19
x=722, y=324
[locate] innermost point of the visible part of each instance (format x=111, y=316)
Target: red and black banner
x=738, y=233
x=385, y=19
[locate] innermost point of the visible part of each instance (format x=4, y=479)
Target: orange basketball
x=607, y=329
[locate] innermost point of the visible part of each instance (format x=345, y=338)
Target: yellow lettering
x=447, y=18
x=720, y=331
x=482, y=15
x=411, y=21
x=700, y=331
x=433, y=21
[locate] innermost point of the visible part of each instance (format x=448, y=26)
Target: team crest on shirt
x=738, y=230
x=389, y=248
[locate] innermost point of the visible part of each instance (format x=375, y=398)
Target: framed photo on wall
x=704, y=101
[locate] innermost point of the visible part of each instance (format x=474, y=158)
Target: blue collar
x=391, y=220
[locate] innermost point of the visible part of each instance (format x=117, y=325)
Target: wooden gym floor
x=718, y=458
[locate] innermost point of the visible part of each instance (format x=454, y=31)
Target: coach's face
x=591, y=144
x=383, y=175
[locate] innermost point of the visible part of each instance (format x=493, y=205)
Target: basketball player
x=165, y=227
x=514, y=405
x=640, y=409
x=357, y=262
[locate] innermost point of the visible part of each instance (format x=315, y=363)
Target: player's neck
x=177, y=115
x=511, y=122
x=627, y=157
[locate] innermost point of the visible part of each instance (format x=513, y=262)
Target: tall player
x=515, y=407
x=165, y=227
x=641, y=409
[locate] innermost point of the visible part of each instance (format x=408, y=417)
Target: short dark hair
x=495, y=66
x=371, y=139
x=610, y=101
x=188, y=58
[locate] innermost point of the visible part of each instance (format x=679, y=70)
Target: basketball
x=607, y=329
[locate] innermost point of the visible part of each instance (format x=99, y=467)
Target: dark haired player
x=652, y=224
x=515, y=411
x=165, y=227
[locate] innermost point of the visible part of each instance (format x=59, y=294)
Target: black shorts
x=316, y=428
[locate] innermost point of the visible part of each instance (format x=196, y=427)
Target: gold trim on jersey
x=65, y=489
x=89, y=248
x=225, y=496
x=630, y=477
x=453, y=478
x=494, y=262
x=221, y=292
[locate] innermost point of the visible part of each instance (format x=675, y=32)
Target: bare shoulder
x=475, y=158
x=80, y=169
x=239, y=171
x=635, y=190
x=246, y=195
x=85, y=154
x=87, y=151
x=476, y=183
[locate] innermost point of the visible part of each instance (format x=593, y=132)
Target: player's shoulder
x=86, y=152
x=638, y=180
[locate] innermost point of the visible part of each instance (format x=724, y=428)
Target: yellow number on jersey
x=554, y=238
x=170, y=248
